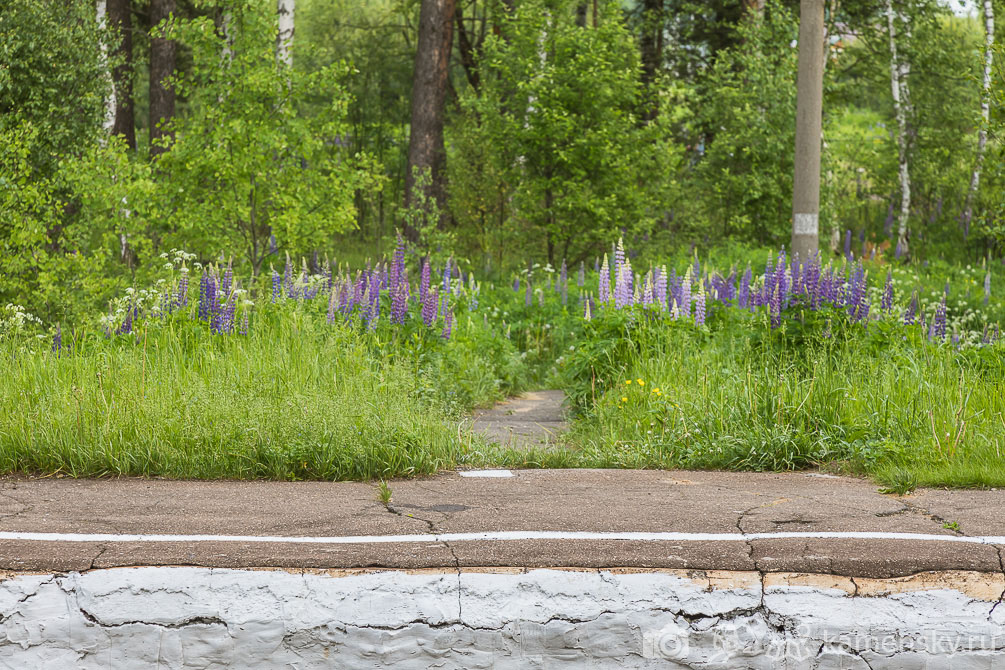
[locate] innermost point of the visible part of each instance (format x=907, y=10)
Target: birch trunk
x=101, y=13
x=284, y=39
x=982, y=134
x=900, y=70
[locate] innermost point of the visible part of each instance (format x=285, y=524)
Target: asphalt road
x=752, y=515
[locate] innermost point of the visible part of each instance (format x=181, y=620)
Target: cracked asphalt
x=556, y=500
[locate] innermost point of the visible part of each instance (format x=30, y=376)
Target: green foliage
x=247, y=161
x=51, y=77
x=561, y=141
x=749, y=108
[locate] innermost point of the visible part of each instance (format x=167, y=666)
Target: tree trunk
x=162, y=57
x=467, y=50
x=120, y=18
x=101, y=13
x=429, y=93
x=284, y=39
x=982, y=134
x=651, y=47
x=900, y=70
x=809, y=114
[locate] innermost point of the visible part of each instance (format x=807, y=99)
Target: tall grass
x=295, y=399
x=742, y=398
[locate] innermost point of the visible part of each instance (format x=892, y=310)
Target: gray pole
x=809, y=109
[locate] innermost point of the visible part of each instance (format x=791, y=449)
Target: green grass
x=296, y=399
x=905, y=412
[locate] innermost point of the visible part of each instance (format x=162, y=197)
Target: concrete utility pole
x=809, y=111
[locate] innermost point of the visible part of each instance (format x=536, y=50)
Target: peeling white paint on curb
x=203, y=618
x=485, y=473
x=503, y=536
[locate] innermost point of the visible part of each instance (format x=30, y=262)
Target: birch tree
x=101, y=13
x=900, y=70
x=982, y=133
x=284, y=40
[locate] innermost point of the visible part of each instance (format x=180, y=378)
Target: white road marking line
x=485, y=473
x=501, y=536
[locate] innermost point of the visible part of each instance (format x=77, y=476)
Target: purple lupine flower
x=563, y=275
x=781, y=281
x=946, y=289
x=912, y=310
x=448, y=323
x=596, y=263
x=399, y=303
x=228, y=280
x=228, y=315
x=446, y=277
x=516, y=284
x=899, y=251
x=647, y=293
x=622, y=289
x=244, y=323
x=696, y=271
x=424, y=280
x=273, y=247
x=699, y=307
x=57, y=339
x=213, y=298
x=315, y=263
x=985, y=338
x=775, y=307
x=887, y=303
x=203, y=295
x=847, y=245
x=430, y=305
x=127, y=325
x=277, y=286
x=743, y=295
x=565, y=293
x=661, y=288
x=581, y=278
x=528, y=298
x=604, y=282
x=987, y=287
x=181, y=295
x=939, y=322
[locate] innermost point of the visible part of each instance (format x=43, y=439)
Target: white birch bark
x=900, y=70
x=101, y=12
x=982, y=133
x=284, y=39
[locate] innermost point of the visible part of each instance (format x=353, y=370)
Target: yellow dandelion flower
x=641, y=383
x=628, y=381
x=624, y=399
x=656, y=389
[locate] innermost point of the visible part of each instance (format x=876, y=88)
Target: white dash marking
x=485, y=473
